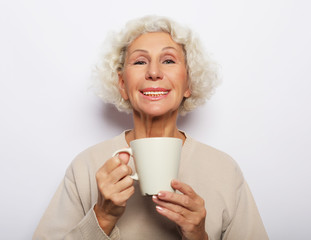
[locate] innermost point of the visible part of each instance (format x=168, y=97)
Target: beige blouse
x=231, y=210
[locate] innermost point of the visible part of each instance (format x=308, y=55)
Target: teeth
x=155, y=94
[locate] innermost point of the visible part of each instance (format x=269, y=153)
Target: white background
x=260, y=115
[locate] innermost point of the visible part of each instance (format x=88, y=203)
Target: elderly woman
x=155, y=69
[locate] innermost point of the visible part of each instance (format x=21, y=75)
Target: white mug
x=156, y=162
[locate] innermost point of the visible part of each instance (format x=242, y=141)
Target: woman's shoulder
x=205, y=151
x=205, y=157
x=202, y=163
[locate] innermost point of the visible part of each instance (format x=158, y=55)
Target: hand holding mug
x=115, y=187
x=187, y=210
x=157, y=163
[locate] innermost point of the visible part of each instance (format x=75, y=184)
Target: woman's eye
x=139, y=63
x=168, y=61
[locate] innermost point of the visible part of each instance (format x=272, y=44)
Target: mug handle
x=129, y=151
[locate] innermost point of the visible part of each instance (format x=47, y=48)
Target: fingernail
x=159, y=208
x=161, y=194
x=175, y=181
x=154, y=197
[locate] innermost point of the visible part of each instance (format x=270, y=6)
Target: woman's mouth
x=154, y=93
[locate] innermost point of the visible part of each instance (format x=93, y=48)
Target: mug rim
x=155, y=138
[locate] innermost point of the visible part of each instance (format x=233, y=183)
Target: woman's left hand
x=187, y=210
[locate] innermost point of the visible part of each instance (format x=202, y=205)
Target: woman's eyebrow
x=138, y=50
x=167, y=48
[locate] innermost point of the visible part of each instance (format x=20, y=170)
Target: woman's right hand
x=115, y=187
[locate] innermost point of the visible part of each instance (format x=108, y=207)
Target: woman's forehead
x=155, y=41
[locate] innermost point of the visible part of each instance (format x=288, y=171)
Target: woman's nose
x=154, y=72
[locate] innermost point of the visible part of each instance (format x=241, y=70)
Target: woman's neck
x=148, y=126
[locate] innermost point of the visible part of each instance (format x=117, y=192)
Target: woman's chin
x=157, y=112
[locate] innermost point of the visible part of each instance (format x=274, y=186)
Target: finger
x=177, y=199
x=173, y=216
x=119, y=198
x=110, y=165
x=127, y=193
x=123, y=184
x=197, y=202
x=192, y=227
x=172, y=207
x=109, y=190
x=183, y=188
x=119, y=173
x=103, y=177
x=124, y=157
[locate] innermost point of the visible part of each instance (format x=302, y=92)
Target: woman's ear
x=122, y=87
x=187, y=93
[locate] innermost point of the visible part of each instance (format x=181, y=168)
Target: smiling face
x=154, y=77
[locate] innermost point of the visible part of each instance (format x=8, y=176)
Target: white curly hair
x=202, y=70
